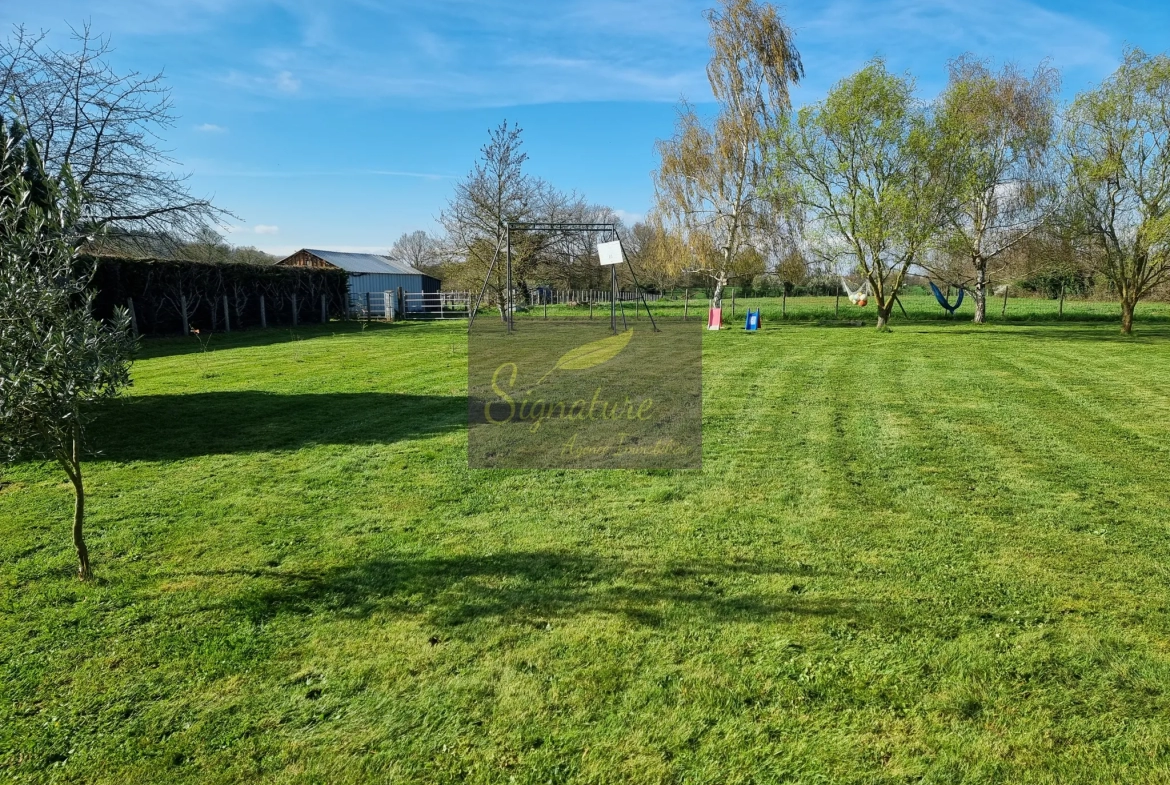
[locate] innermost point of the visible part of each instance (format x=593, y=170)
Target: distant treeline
x=176, y=297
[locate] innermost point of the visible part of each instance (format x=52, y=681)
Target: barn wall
x=360, y=283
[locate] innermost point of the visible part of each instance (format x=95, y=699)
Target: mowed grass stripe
x=886, y=571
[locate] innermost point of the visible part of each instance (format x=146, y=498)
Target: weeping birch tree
x=1117, y=140
x=997, y=132
x=865, y=166
x=708, y=182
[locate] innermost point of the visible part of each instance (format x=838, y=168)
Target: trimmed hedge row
x=173, y=297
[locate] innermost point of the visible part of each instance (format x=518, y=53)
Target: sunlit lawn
x=937, y=555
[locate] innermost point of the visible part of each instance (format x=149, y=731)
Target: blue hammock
x=943, y=300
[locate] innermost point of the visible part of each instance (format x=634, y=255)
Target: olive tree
x=1117, y=141
x=865, y=166
x=56, y=359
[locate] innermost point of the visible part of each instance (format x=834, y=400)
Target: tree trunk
x=1126, y=316
x=717, y=296
x=83, y=571
x=980, y=290
x=883, y=316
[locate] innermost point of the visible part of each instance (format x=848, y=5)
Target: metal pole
x=475, y=308
x=613, y=300
x=133, y=315
x=511, y=307
x=686, y=302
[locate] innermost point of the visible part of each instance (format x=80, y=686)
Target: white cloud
x=265, y=229
x=629, y=218
x=287, y=250
x=836, y=37
x=210, y=128
x=287, y=83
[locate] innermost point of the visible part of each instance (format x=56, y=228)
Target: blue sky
x=341, y=124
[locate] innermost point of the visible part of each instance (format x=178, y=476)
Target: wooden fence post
x=369, y=315
x=294, y=304
x=1061, y=312
x=733, y=303
x=324, y=311
x=227, y=320
x=263, y=313
x=133, y=315
x=183, y=307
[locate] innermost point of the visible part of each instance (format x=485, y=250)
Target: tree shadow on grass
x=537, y=587
x=153, y=346
x=1066, y=331
x=169, y=427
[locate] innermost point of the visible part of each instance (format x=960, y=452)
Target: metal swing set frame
x=603, y=228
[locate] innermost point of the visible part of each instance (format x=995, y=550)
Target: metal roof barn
x=368, y=272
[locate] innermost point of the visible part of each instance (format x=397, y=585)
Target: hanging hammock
x=944, y=302
x=861, y=296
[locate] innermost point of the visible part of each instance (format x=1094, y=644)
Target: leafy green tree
x=1117, y=139
x=864, y=165
x=55, y=358
x=996, y=130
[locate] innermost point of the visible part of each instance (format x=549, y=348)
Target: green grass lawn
x=936, y=555
x=917, y=308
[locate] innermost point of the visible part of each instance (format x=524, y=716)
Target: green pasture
x=914, y=308
x=938, y=555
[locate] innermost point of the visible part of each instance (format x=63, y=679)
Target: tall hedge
x=159, y=287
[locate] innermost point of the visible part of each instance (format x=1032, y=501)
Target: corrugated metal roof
x=364, y=262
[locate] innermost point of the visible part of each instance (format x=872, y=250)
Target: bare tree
x=107, y=127
x=499, y=191
x=997, y=130
x=496, y=190
x=419, y=250
x=708, y=181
